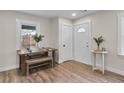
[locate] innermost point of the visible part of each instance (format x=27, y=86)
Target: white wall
x=55, y=32
x=105, y=23
x=8, y=58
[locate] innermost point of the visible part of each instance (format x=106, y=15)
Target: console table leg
x=94, y=62
x=103, y=61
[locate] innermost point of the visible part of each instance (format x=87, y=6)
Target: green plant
x=38, y=38
x=98, y=40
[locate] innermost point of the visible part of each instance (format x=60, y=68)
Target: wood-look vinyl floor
x=67, y=72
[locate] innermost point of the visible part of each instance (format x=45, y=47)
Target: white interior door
x=66, y=42
x=82, y=42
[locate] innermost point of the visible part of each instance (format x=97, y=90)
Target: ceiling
x=59, y=13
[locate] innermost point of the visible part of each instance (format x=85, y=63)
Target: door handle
x=87, y=46
x=64, y=45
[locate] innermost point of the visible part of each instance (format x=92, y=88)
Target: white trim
x=5, y=68
x=119, y=47
x=120, y=54
x=83, y=62
x=111, y=69
x=60, y=41
x=119, y=31
x=114, y=70
x=121, y=72
x=82, y=22
x=19, y=22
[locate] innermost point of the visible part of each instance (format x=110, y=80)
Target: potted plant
x=38, y=38
x=98, y=41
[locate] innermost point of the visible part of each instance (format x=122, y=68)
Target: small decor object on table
x=103, y=49
x=38, y=38
x=98, y=41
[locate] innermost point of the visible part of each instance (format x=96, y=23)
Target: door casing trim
x=60, y=41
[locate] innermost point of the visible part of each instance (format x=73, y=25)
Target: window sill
x=120, y=54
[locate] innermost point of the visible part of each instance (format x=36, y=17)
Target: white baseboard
x=114, y=70
x=60, y=61
x=5, y=68
x=121, y=72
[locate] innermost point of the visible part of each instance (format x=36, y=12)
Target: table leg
x=94, y=62
x=103, y=61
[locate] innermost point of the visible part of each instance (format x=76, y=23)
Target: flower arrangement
x=98, y=41
x=38, y=38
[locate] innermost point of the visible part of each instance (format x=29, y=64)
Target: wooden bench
x=32, y=59
x=47, y=60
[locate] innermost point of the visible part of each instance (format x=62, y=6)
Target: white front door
x=82, y=43
x=66, y=42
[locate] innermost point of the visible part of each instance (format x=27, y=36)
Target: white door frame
x=90, y=35
x=60, y=41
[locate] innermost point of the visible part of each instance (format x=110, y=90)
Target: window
x=121, y=34
x=25, y=32
x=80, y=30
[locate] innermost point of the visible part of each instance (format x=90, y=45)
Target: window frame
x=19, y=23
x=119, y=46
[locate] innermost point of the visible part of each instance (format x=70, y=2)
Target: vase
x=37, y=45
x=98, y=49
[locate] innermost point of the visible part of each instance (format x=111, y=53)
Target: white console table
x=102, y=53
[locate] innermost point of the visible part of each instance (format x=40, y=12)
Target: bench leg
x=27, y=71
x=52, y=63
